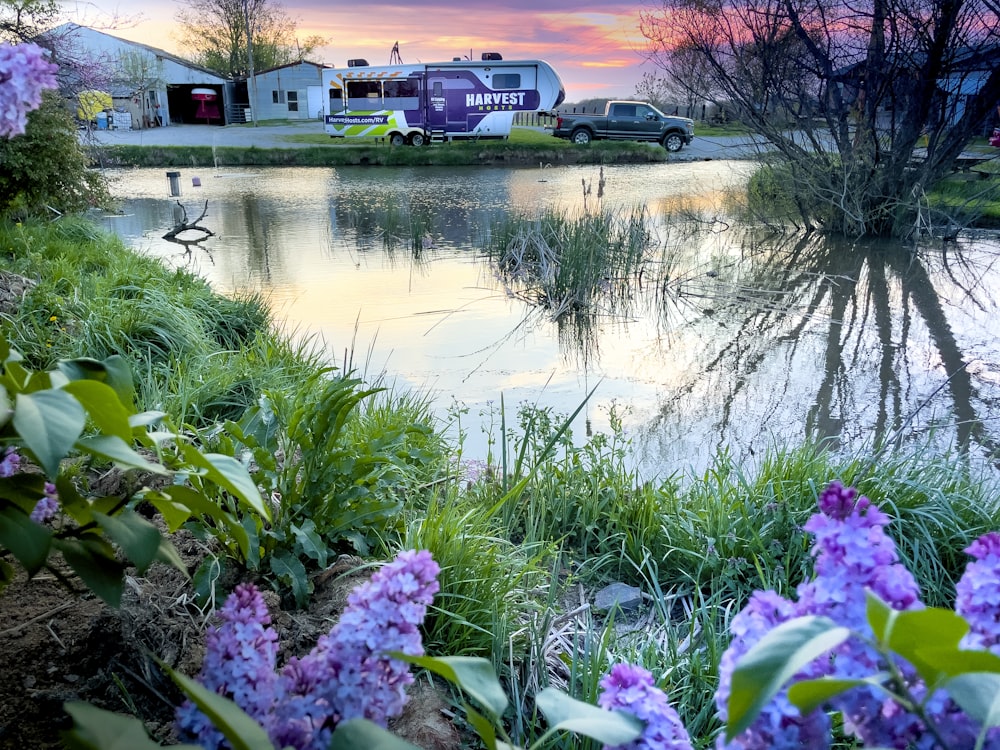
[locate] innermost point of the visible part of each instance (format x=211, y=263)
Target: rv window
x=401, y=93
x=336, y=100
x=507, y=81
x=360, y=94
x=293, y=101
x=438, y=89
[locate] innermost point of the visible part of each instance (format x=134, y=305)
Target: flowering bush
x=859, y=641
x=24, y=73
x=630, y=688
x=347, y=675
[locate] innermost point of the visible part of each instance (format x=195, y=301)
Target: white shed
x=145, y=82
x=289, y=92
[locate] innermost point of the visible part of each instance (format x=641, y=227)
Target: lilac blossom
x=240, y=657
x=10, y=463
x=977, y=594
x=630, y=688
x=47, y=507
x=347, y=675
x=780, y=724
x=24, y=73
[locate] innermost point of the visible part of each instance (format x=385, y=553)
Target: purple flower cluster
x=853, y=554
x=630, y=688
x=24, y=73
x=977, y=594
x=10, y=463
x=47, y=507
x=240, y=657
x=347, y=675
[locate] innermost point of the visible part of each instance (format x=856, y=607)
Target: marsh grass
x=564, y=262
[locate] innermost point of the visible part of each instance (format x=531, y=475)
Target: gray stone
x=617, y=595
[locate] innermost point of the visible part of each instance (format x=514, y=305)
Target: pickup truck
x=627, y=121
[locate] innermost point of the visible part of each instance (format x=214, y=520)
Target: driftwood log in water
x=183, y=225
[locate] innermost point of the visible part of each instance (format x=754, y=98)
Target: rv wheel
x=417, y=139
x=396, y=139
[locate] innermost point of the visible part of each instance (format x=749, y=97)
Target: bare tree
x=214, y=33
x=868, y=104
x=684, y=84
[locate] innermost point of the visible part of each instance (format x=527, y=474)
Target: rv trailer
x=419, y=103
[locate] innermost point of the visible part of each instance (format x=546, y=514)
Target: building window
x=278, y=97
x=293, y=101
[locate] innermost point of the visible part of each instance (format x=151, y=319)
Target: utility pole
x=251, y=78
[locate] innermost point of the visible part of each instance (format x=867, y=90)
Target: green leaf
x=7, y=575
x=907, y=633
x=6, y=408
x=115, y=449
x=486, y=731
x=49, y=423
x=95, y=563
x=229, y=474
x=113, y=371
x=311, y=542
x=809, y=695
x=473, y=674
x=224, y=526
x=174, y=514
x=97, y=729
x=567, y=714
x=978, y=693
x=101, y=402
x=205, y=579
x=774, y=660
x=242, y=731
x=953, y=662
x=28, y=541
x=289, y=569
x=138, y=539
x=362, y=733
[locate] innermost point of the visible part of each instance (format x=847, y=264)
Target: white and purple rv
x=416, y=104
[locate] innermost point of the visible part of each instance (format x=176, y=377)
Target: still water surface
x=733, y=339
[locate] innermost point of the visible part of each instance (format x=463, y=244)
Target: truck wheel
x=672, y=142
x=581, y=137
x=396, y=139
x=417, y=139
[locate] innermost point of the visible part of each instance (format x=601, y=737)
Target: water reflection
x=729, y=339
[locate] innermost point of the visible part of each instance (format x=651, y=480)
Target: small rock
x=617, y=595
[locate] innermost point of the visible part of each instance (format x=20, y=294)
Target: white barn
x=141, y=77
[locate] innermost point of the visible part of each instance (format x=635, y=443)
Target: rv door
x=437, y=104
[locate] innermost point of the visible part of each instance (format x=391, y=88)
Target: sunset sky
x=595, y=46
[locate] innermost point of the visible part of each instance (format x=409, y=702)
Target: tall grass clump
x=563, y=262
x=195, y=354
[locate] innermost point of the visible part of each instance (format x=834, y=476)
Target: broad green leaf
x=242, y=731
x=174, y=514
x=229, y=474
x=288, y=568
x=6, y=407
x=773, y=661
x=206, y=578
x=311, y=542
x=809, y=695
x=95, y=563
x=978, y=693
x=113, y=371
x=199, y=505
x=905, y=633
x=7, y=575
x=146, y=419
x=28, y=541
x=356, y=734
x=473, y=674
x=567, y=714
x=138, y=539
x=953, y=662
x=101, y=402
x=486, y=731
x=49, y=423
x=115, y=449
x=97, y=729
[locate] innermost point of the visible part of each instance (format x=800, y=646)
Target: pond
x=731, y=339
